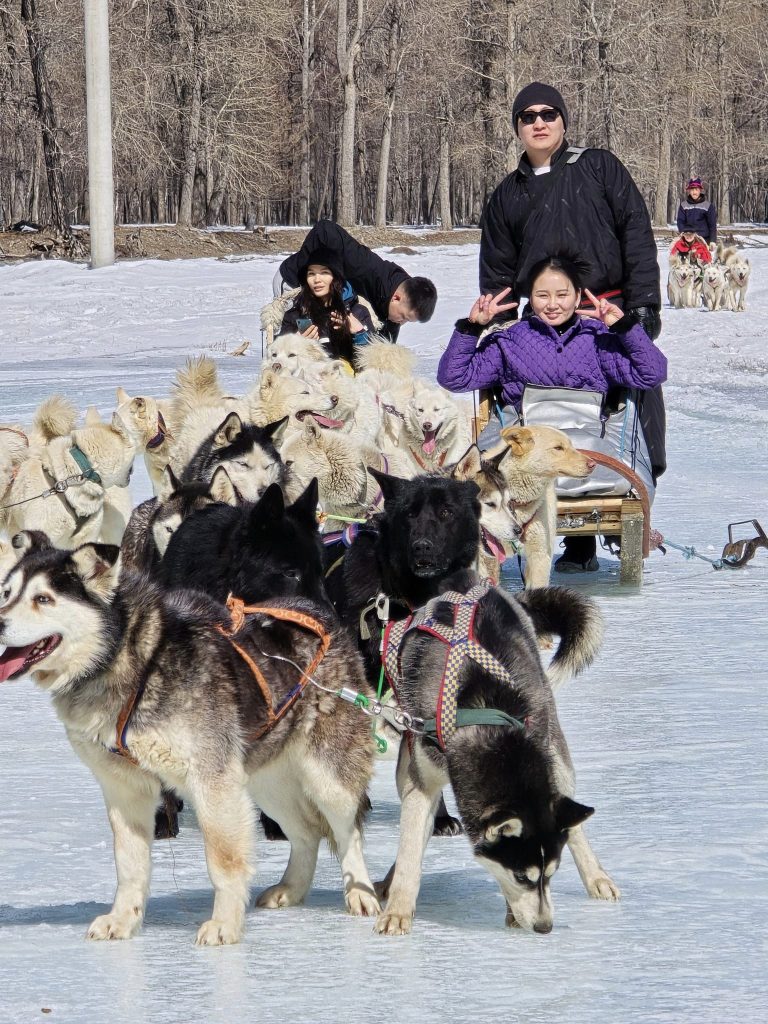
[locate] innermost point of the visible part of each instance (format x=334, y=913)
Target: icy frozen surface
x=667, y=730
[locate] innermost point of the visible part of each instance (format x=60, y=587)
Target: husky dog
x=513, y=782
x=255, y=551
x=154, y=522
x=279, y=395
x=499, y=529
x=738, y=270
x=100, y=454
x=143, y=418
x=152, y=692
x=713, y=286
x=246, y=451
x=355, y=409
x=429, y=528
x=681, y=283
x=334, y=458
x=435, y=428
x=534, y=458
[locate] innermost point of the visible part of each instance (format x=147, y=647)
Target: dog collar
x=84, y=465
x=159, y=437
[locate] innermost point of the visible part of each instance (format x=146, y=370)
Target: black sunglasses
x=528, y=117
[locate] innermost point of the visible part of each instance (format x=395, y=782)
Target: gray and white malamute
x=152, y=692
x=504, y=754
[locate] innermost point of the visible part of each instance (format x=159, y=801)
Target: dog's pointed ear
x=168, y=485
x=469, y=465
x=269, y=507
x=276, y=431
x=92, y=416
x=221, y=488
x=509, y=829
x=304, y=509
x=120, y=428
x=98, y=566
x=390, y=486
x=494, y=459
x=122, y=396
x=569, y=814
x=519, y=439
x=268, y=380
x=228, y=431
x=25, y=540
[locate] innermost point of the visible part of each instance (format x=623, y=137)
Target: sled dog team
x=216, y=644
x=720, y=280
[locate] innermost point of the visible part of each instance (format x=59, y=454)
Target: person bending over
x=555, y=345
x=327, y=309
x=395, y=297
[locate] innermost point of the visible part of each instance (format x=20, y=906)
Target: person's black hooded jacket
x=589, y=209
x=371, y=277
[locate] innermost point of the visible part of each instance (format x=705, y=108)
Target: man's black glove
x=649, y=318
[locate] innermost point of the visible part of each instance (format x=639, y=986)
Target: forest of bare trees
x=375, y=111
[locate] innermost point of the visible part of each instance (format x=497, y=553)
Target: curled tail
x=383, y=355
x=197, y=383
x=574, y=618
x=56, y=417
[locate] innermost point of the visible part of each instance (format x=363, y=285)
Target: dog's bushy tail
x=383, y=355
x=577, y=621
x=196, y=384
x=56, y=417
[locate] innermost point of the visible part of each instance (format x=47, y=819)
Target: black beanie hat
x=537, y=92
x=325, y=257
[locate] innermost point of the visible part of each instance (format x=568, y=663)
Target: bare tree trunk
x=48, y=120
x=444, y=172
x=347, y=52
x=390, y=95
x=661, y=201
x=308, y=22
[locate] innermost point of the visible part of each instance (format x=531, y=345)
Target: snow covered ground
x=667, y=730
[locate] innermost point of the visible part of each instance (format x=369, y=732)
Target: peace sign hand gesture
x=486, y=307
x=604, y=310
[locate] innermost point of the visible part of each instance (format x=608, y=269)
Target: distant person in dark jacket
x=395, y=296
x=326, y=309
x=696, y=214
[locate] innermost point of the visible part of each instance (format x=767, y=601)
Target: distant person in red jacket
x=693, y=246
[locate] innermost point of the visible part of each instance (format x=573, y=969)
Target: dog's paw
x=114, y=926
x=445, y=825
x=277, y=896
x=218, y=933
x=391, y=923
x=362, y=902
x=603, y=887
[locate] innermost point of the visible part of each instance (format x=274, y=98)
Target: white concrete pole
x=101, y=200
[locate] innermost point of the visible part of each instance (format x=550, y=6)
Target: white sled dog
x=713, y=286
x=681, y=283
x=152, y=692
x=738, y=270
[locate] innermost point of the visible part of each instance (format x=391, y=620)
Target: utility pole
x=99, y=104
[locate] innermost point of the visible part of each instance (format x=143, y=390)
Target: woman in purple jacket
x=555, y=345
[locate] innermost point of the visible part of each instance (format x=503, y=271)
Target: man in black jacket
x=396, y=297
x=563, y=200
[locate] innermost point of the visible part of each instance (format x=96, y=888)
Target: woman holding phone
x=326, y=309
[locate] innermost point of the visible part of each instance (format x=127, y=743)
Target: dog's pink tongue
x=494, y=545
x=430, y=440
x=326, y=421
x=12, y=659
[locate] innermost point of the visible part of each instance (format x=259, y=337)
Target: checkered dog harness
x=460, y=643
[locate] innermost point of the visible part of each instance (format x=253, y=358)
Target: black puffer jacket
x=371, y=277
x=589, y=210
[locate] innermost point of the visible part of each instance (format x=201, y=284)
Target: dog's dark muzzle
x=426, y=560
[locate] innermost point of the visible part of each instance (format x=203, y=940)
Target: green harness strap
x=84, y=465
x=473, y=716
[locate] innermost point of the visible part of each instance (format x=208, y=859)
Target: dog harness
x=460, y=643
x=238, y=611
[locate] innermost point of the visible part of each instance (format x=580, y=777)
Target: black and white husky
x=151, y=692
x=513, y=782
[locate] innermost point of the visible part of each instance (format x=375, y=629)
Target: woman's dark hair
x=563, y=265
x=340, y=343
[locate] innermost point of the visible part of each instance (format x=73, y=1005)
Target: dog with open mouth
x=435, y=430
x=154, y=690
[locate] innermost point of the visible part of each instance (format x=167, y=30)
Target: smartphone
x=303, y=323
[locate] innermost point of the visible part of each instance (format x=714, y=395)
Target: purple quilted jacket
x=588, y=356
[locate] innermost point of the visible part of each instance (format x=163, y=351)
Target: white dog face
x=292, y=353
x=52, y=607
x=739, y=271
x=430, y=417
